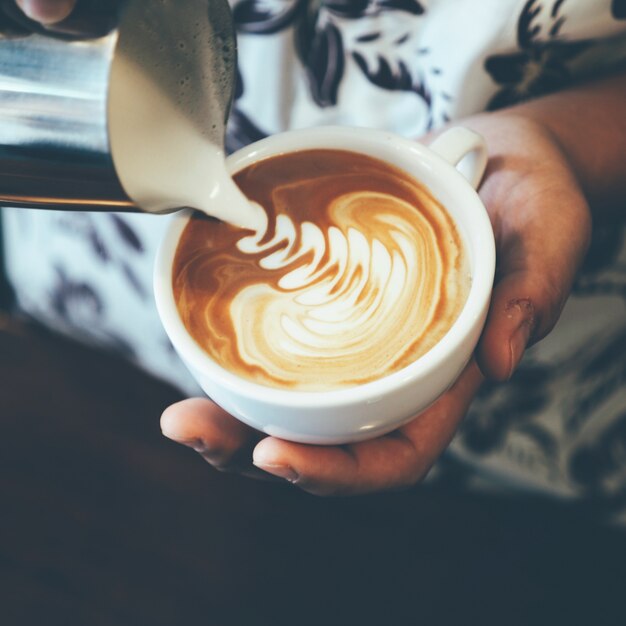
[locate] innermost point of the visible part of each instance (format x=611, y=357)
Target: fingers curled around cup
x=223, y=441
x=524, y=309
x=385, y=464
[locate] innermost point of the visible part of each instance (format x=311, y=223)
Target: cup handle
x=464, y=149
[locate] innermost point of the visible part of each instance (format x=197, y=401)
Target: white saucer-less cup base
x=378, y=407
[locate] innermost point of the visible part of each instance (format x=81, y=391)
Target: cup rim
x=483, y=270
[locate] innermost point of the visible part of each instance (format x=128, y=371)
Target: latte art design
x=339, y=296
x=360, y=273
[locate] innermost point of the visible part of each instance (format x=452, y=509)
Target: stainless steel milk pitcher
x=104, y=123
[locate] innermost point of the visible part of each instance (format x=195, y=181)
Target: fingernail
x=522, y=312
x=282, y=471
x=517, y=346
x=214, y=456
x=197, y=444
x=49, y=13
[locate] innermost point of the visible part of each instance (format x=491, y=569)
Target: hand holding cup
x=542, y=224
x=370, y=410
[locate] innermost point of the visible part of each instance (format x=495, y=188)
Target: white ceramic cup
x=372, y=409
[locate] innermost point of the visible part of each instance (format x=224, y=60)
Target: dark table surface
x=104, y=522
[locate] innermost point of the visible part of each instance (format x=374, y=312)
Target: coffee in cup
x=368, y=260
x=360, y=273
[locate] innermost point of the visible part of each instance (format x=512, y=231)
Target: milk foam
x=368, y=285
x=337, y=309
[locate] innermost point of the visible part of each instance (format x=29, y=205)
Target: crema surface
x=360, y=272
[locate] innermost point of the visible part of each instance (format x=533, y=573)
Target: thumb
x=46, y=11
x=540, y=250
x=510, y=325
x=524, y=309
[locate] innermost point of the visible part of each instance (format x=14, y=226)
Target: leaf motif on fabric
x=241, y=131
x=529, y=74
x=266, y=17
x=76, y=302
x=482, y=432
x=354, y=9
x=410, y=6
x=542, y=65
x=495, y=414
x=98, y=246
x=368, y=37
x=394, y=77
x=596, y=465
x=402, y=39
x=613, y=355
x=384, y=75
x=127, y=233
x=133, y=280
x=349, y=9
x=507, y=69
x=610, y=287
x=527, y=31
x=322, y=53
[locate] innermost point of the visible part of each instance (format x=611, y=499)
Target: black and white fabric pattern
x=406, y=66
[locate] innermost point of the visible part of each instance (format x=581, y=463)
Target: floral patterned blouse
x=405, y=66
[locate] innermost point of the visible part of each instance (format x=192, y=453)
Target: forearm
x=589, y=124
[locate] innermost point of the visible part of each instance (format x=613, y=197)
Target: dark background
x=104, y=522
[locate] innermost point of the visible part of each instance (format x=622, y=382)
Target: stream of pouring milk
x=223, y=199
x=166, y=155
